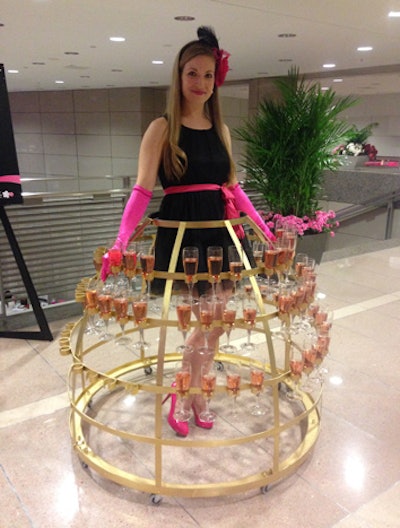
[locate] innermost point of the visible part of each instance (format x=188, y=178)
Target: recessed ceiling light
x=59, y=82
x=287, y=35
x=337, y=80
x=12, y=71
x=117, y=39
x=157, y=62
x=184, y=18
x=394, y=14
x=365, y=48
x=329, y=65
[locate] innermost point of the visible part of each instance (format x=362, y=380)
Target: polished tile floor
x=351, y=480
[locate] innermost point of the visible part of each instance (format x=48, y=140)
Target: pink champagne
x=121, y=308
x=208, y=383
x=182, y=380
x=130, y=260
x=235, y=268
x=320, y=317
x=309, y=357
x=147, y=263
x=190, y=265
x=296, y=368
x=233, y=383
x=140, y=311
x=184, y=312
x=299, y=268
x=249, y=315
x=214, y=266
x=104, y=303
x=229, y=316
x=91, y=298
x=270, y=258
x=256, y=380
x=206, y=317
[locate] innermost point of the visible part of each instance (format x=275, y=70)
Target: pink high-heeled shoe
x=199, y=422
x=180, y=428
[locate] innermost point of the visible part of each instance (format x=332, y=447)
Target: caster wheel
x=148, y=371
x=155, y=499
x=90, y=404
x=220, y=366
x=264, y=489
x=84, y=465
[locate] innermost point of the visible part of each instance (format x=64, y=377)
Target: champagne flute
x=147, y=261
x=208, y=384
x=300, y=261
x=104, y=305
x=130, y=262
x=249, y=317
x=184, y=313
x=91, y=306
x=190, y=261
x=115, y=256
x=228, y=319
x=206, y=306
x=309, y=352
x=296, y=363
x=121, y=298
x=140, y=306
x=257, y=376
x=233, y=379
x=258, y=252
x=183, y=377
x=214, y=263
x=235, y=266
x=270, y=256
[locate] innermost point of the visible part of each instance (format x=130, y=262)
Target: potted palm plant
x=288, y=144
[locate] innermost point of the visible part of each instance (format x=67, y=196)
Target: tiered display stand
x=118, y=424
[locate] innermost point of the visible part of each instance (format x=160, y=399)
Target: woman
x=189, y=150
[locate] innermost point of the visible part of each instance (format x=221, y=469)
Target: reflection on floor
x=351, y=480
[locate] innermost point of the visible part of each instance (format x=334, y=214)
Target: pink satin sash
x=227, y=195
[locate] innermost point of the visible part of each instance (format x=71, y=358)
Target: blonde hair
x=174, y=158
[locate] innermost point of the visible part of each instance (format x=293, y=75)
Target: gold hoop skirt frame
x=118, y=425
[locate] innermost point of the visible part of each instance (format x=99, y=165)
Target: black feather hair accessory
x=207, y=34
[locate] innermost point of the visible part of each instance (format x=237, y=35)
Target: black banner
x=10, y=180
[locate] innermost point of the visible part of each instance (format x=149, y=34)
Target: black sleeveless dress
x=208, y=162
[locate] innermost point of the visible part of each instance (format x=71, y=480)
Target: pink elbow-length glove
x=133, y=212
x=244, y=204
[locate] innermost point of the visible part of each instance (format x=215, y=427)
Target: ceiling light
x=117, y=39
x=157, y=62
x=394, y=14
x=329, y=65
x=59, y=82
x=365, y=48
x=12, y=71
x=184, y=18
x=337, y=80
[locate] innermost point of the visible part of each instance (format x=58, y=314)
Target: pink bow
x=222, y=65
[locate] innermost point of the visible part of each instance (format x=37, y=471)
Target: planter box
x=313, y=245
